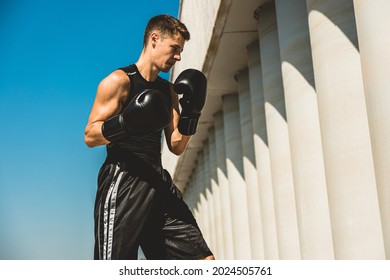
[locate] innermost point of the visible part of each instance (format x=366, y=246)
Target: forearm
x=93, y=135
x=179, y=142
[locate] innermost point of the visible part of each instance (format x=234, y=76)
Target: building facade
x=291, y=159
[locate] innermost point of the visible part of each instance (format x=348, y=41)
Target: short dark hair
x=167, y=25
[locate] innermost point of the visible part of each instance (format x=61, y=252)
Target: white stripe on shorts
x=109, y=215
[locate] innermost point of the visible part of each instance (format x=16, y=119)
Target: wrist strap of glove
x=113, y=130
x=188, y=124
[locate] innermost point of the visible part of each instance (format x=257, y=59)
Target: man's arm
x=111, y=93
x=176, y=142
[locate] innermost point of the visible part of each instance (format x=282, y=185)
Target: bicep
x=110, y=96
x=111, y=93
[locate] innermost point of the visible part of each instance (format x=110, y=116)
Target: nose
x=177, y=57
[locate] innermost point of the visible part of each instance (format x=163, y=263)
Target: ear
x=154, y=37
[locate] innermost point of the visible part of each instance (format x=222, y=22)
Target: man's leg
x=175, y=233
x=121, y=213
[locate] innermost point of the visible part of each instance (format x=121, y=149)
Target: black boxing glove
x=193, y=85
x=148, y=112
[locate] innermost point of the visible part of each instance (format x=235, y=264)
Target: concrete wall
x=291, y=159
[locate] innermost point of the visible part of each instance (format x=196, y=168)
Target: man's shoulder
x=120, y=77
x=129, y=70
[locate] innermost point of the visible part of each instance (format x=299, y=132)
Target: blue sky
x=53, y=54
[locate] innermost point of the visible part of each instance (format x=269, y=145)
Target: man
x=137, y=203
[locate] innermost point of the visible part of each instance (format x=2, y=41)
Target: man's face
x=167, y=51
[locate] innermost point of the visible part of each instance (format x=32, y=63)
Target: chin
x=166, y=69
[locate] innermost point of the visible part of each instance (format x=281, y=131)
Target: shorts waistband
x=123, y=155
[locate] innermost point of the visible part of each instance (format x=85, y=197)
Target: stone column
x=277, y=131
x=353, y=199
x=237, y=186
x=215, y=190
x=203, y=204
x=209, y=196
x=195, y=194
x=249, y=164
x=223, y=184
x=262, y=153
x=373, y=25
x=304, y=130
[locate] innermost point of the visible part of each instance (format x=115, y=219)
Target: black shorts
x=137, y=204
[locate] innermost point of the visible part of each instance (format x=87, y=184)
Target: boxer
x=137, y=204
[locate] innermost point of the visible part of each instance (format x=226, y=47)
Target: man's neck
x=148, y=71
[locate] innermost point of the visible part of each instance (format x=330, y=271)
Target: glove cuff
x=188, y=124
x=113, y=129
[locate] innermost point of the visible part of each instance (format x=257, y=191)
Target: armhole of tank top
x=130, y=71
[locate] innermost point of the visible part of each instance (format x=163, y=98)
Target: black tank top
x=147, y=147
